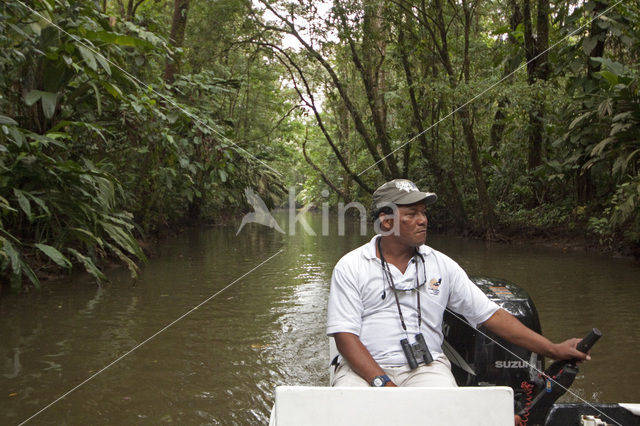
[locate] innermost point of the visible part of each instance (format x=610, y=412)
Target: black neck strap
x=386, y=273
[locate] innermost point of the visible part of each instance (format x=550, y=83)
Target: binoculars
x=417, y=351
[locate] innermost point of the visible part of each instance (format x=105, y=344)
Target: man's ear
x=386, y=222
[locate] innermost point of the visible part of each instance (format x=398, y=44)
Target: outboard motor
x=491, y=360
x=480, y=358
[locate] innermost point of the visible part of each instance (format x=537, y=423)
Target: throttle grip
x=589, y=340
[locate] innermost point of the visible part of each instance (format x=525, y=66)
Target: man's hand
x=567, y=350
x=358, y=357
x=509, y=327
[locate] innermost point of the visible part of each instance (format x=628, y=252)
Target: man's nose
x=422, y=219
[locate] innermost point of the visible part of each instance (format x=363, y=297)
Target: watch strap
x=380, y=381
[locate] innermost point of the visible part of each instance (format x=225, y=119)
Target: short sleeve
x=344, y=312
x=467, y=299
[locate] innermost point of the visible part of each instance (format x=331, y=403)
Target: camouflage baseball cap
x=401, y=192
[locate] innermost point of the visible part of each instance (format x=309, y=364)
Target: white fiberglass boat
x=497, y=380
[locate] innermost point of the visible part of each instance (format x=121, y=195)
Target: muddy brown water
x=220, y=363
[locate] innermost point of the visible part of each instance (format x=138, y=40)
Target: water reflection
x=221, y=363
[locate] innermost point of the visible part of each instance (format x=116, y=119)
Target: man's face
x=412, y=224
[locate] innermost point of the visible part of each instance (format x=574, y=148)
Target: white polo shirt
x=356, y=304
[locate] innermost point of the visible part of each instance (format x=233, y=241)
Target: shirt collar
x=370, y=249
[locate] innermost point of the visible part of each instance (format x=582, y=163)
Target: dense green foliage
x=97, y=150
x=522, y=117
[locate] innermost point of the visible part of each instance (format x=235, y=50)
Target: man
x=395, y=288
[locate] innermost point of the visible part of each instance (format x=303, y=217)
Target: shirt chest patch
x=433, y=287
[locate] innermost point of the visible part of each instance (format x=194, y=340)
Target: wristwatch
x=380, y=381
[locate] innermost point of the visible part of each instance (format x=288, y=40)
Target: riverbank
x=562, y=239
x=570, y=240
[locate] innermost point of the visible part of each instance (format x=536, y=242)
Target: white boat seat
x=327, y=406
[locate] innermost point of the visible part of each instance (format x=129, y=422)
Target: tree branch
x=276, y=125
x=311, y=104
x=368, y=79
x=317, y=169
x=135, y=8
x=359, y=124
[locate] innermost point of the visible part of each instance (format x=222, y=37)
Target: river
x=220, y=363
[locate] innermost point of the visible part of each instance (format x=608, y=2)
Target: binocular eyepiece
x=416, y=351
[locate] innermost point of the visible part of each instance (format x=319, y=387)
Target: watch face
x=377, y=382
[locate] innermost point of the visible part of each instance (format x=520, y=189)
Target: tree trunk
x=370, y=68
x=176, y=39
x=123, y=13
x=373, y=75
x=446, y=184
x=497, y=127
x=441, y=45
x=600, y=35
x=584, y=182
x=486, y=205
x=537, y=70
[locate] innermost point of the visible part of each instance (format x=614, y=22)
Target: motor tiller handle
x=589, y=340
x=557, y=379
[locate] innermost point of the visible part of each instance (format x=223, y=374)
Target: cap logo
x=406, y=185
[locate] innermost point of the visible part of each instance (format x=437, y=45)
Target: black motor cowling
x=495, y=361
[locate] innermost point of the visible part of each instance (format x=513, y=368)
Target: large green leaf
x=104, y=63
x=98, y=97
x=32, y=97
x=23, y=202
x=4, y=204
x=18, y=137
x=18, y=30
x=13, y=254
x=86, y=236
x=613, y=66
x=54, y=255
x=119, y=39
x=579, y=119
x=88, y=56
x=112, y=89
x=599, y=148
x=588, y=44
x=26, y=269
x=40, y=202
x=49, y=4
x=49, y=102
x=611, y=78
x=88, y=264
x=7, y=120
x=122, y=238
x=88, y=126
x=131, y=265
